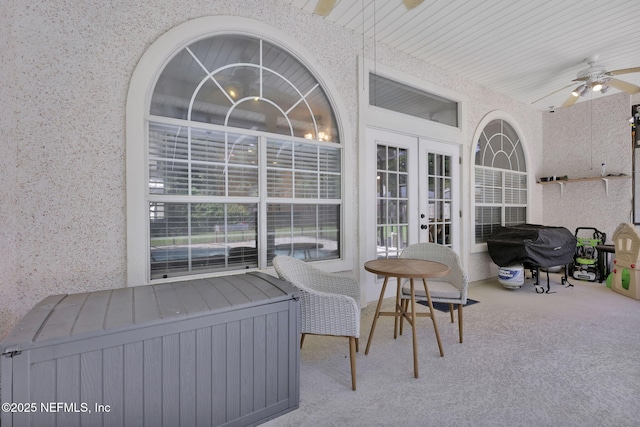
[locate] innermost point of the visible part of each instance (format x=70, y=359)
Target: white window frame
x=495, y=115
x=151, y=64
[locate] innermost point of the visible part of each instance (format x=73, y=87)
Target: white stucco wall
x=576, y=141
x=66, y=67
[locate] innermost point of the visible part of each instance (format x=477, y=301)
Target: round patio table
x=406, y=268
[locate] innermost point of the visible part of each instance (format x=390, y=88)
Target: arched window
x=500, y=179
x=243, y=160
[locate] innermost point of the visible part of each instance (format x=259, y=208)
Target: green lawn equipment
x=585, y=261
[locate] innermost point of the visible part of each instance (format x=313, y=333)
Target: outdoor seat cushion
x=437, y=289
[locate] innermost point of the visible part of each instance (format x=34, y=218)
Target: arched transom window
x=244, y=160
x=500, y=180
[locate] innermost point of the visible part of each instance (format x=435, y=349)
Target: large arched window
x=243, y=160
x=500, y=179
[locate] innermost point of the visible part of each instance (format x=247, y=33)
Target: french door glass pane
x=439, y=198
x=392, y=202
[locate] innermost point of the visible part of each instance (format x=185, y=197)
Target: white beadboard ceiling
x=524, y=49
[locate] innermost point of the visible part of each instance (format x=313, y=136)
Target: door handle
x=423, y=226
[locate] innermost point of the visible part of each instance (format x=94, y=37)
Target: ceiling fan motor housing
x=594, y=74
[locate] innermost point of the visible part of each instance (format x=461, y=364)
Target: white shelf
x=604, y=179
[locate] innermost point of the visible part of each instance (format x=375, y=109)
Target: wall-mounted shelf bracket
x=561, y=187
x=604, y=179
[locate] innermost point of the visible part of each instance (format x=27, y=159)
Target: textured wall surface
x=577, y=140
x=68, y=65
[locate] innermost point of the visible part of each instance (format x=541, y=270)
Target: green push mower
x=585, y=262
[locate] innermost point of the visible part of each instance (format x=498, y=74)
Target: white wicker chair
x=330, y=303
x=451, y=289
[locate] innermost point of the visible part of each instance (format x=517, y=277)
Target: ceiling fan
x=324, y=7
x=597, y=79
x=239, y=82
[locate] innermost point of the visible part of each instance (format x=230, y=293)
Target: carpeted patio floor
x=568, y=358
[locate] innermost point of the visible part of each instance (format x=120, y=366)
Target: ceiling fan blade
x=410, y=4
x=570, y=101
x=626, y=71
x=552, y=93
x=324, y=7
x=624, y=86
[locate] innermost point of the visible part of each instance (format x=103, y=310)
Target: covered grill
x=534, y=246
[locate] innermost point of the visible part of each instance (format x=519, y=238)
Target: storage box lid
x=61, y=317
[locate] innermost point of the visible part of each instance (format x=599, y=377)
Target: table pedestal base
x=401, y=313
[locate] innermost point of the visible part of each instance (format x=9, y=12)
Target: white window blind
x=501, y=187
x=240, y=133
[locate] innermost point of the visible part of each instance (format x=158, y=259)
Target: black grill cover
x=535, y=245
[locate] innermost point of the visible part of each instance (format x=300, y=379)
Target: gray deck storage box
x=220, y=351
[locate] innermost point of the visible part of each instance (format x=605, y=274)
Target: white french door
x=417, y=195
x=439, y=187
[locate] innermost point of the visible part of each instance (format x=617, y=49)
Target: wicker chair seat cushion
x=437, y=289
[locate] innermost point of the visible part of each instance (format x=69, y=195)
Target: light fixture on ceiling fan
x=598, y=79
x=580, y=90
x=596, y=86
x=241, y=82
x=324, y=7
